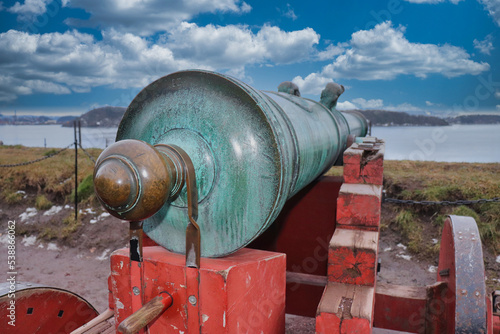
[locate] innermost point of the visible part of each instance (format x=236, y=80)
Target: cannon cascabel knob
x=133, y=180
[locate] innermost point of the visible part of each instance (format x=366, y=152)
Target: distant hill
x=474, y=119
x=104, y=116
x=398, y=118
x=65, y=119
x=26, y=120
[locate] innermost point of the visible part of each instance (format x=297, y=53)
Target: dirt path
x=81, y=265
x=84, y=270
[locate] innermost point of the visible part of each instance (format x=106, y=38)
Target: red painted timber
x=400, y=308
x=303, y=231
x=362, y=166
x=242, y=292
x=359, y=206
x=345, y=308
x=352, y=257
x=45, y=310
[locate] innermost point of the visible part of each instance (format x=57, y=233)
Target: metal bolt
x=460, y=238
x=136, y=291
x=477, y=294
x=464, y=292
x=192, y=300
x=444, y=272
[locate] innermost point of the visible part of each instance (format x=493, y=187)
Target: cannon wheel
x=461, y=267
x=40, y=309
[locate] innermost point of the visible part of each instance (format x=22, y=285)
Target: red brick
x=359, y=205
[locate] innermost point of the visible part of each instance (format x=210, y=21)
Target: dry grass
x=53, y=177
x=42, y=203
x=435, y=181
x=440, y=181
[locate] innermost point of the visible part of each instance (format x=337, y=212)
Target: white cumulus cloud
x=368, y=104
x=288, y=12
x=59, y=63
x=145, y=17
x=493, y=8
x=433, y=1
x=314, y=83
x=346, y=105
x=485, y=46
x=233, y=46
x=361, y=103
x=29, y=8
x=383, y=53
x=407, y=107
x=331, y=51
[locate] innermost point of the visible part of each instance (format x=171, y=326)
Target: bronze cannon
x=251, y=151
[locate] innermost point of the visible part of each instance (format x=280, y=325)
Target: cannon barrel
x=251, y=151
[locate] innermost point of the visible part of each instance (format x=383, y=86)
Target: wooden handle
x=146, y=314
x=94, y=322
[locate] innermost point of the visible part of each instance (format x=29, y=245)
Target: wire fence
x=87, y=154
x=385, y=199
x=77, y=143
x=443, y=203
x=37, y=160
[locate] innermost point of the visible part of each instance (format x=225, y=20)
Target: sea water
x=459, y=143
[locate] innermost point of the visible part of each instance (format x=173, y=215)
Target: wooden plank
x=387, y=331
x=361, y=296
x=352, y=257
x=402, y=291
x=307, y=279
x=359, y=205
x=345, y=308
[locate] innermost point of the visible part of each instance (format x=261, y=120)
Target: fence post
x=76, y=172
x=80, y=133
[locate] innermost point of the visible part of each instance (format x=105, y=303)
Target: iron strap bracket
x=136, y=267
x=193, y=242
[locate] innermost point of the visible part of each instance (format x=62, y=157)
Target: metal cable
x=37, y=160
x=444, y=203
x=87, y=154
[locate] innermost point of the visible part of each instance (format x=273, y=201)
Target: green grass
x=407, y=223
x=85, y=189
x=12, y=197
x=439, y=181
x=71, y=225
x=42, y=203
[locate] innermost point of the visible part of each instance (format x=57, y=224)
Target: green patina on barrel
x=251, y=150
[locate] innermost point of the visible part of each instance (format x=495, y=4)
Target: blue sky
x=421, y=56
